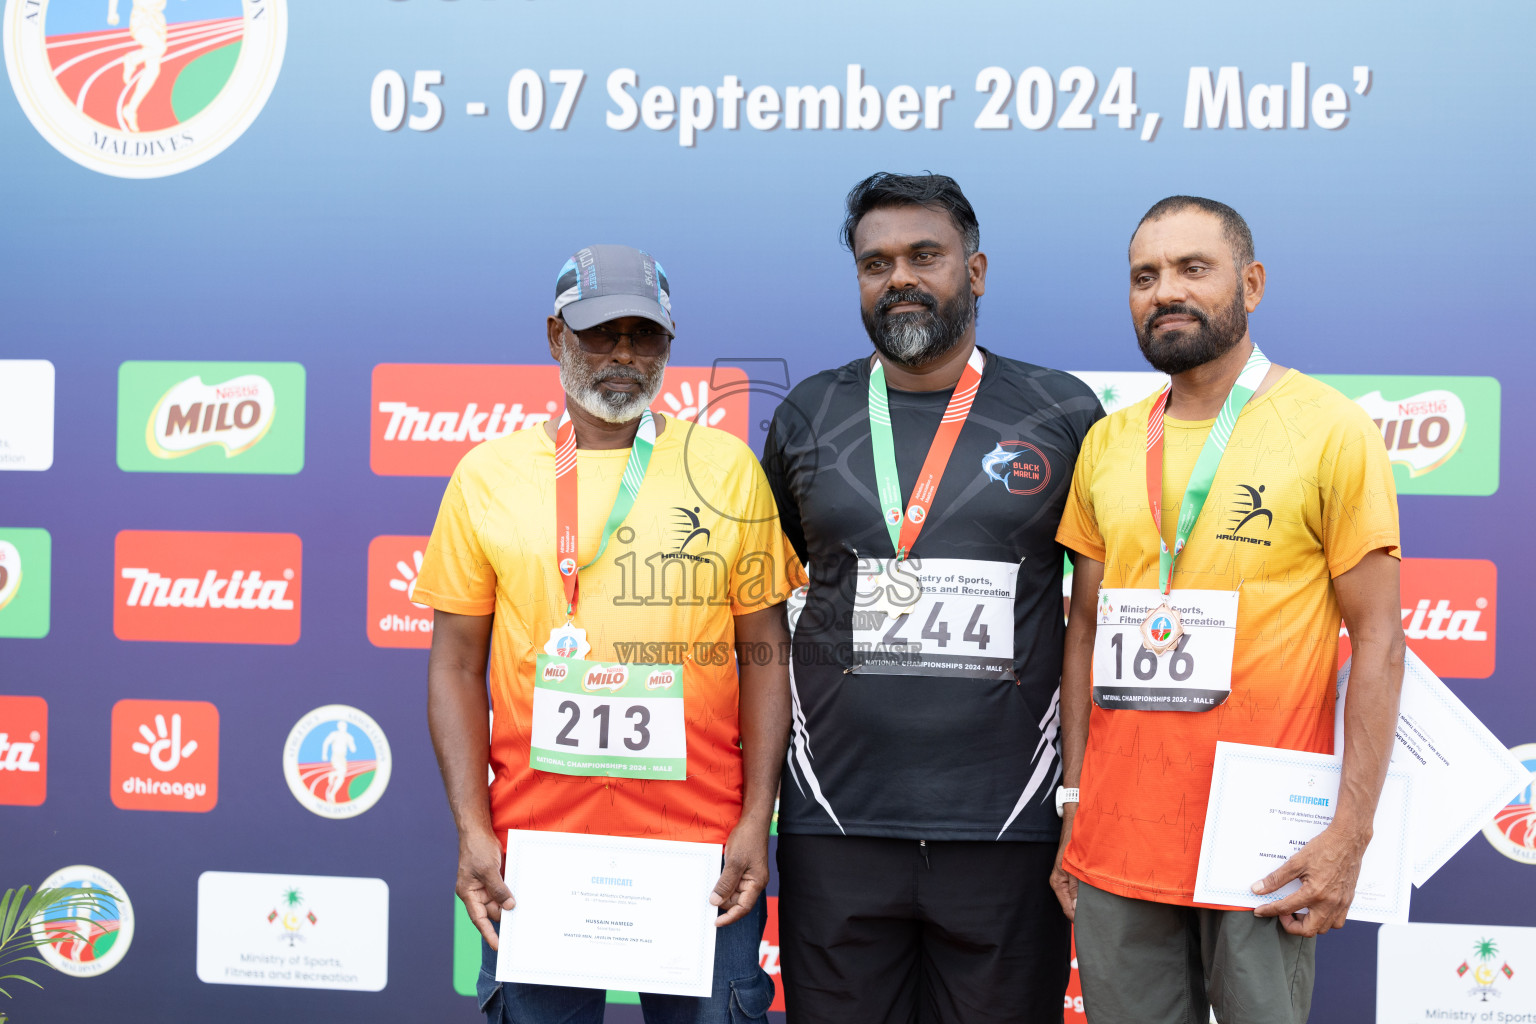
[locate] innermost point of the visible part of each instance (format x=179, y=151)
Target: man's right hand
x=480, y=886
x=1063, y=884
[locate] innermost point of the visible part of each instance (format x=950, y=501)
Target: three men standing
x=929, y=491
x=1241, y=477
x=922, y=487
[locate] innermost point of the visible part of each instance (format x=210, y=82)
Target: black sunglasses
x=650, y=340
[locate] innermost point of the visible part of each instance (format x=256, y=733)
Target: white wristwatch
x=1065, y=795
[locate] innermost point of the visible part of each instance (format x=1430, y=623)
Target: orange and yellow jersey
x=701, y=545
x=1303, y=492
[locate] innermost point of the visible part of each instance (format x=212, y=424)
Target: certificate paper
x=1267, y=803
x=608, y=912
x=1461, y=773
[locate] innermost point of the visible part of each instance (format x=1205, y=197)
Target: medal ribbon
x=1204, y=473
x=565, y=497
x=905, y=528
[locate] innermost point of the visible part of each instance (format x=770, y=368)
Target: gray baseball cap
x=606, y=282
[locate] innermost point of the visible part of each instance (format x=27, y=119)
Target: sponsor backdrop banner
x=272, y=268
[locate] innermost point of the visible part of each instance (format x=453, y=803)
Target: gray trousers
x=1156, y=963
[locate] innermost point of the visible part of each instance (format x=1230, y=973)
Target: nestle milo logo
x=181, y=417
x=1421, y=432
x=605, y=677
x=1441, y=433
x=554, y=672
x=661, y=679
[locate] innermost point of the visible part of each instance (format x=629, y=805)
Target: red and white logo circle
x=135, y=90
x=1513, y=829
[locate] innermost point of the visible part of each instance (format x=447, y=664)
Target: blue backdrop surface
x=1397, y=243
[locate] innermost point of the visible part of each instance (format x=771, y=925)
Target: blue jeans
x=742, y=989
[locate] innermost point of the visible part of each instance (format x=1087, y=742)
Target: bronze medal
x=1162, y=629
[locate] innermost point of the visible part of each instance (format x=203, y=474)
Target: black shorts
x=890, y=931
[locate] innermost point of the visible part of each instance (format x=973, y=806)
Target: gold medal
x=1162, y=629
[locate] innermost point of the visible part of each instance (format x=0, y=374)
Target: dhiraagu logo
x=175, y=417
x=26, y=557
x=1441, y=433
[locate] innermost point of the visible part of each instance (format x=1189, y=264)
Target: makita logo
x=661, y=679
x=555, y=673
x=23, y=751
x=16, y=755
x=1450, y=615
x=425, y=416
x=605, y=678
x=150, y=589
x=193, y=415
x=1442, y=622
x=208, y=587
x=408, y=423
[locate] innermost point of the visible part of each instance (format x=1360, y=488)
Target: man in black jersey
x=922, y=488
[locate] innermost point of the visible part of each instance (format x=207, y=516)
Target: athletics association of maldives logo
x=140, y=89
x=84, y=941
x=1513, y=829
x=337, y=761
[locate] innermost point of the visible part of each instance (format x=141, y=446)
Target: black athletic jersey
x=927, y=756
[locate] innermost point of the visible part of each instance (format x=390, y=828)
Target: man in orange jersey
x=1299, y=529
x=666, y=564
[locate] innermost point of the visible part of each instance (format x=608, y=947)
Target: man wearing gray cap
x=591, y=542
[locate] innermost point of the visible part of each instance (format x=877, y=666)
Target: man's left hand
x=744, y=875
x=1328, y=867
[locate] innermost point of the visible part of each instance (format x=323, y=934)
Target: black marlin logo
x=1249, y=506
x=688, y=526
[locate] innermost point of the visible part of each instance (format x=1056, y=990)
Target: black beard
x=1177, y=351
x=914, y=339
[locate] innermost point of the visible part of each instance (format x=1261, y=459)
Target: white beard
x=582, y=386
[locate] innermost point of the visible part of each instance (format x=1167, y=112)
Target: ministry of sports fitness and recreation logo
x=1480, y=970
x=26, y=414
x=90, y=940
x=291, y=916
x=181, y=417
x=337, y=761
x=1246, y=510
x=1018, y=466
x=140, y=89
x=1116, y=389
x=1513, y=829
